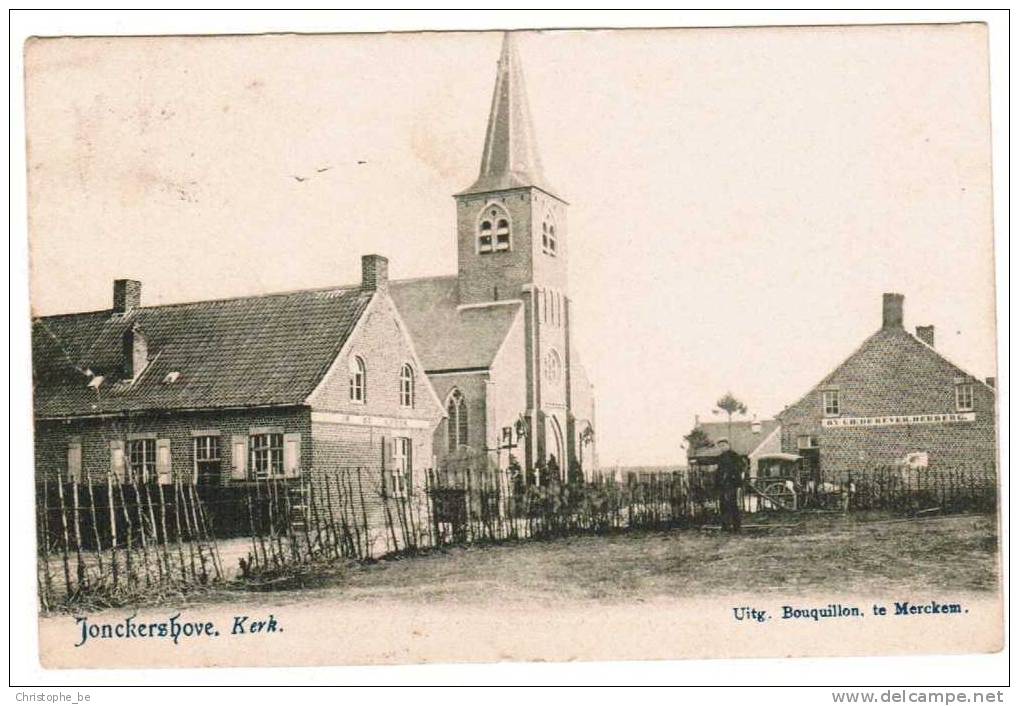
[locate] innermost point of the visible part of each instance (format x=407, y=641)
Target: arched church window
x=485, y=237
x=406, y=386
x=456, y=420
x=494, y=230
x=548, y=236
x=358, y=379
x=502, y=235
x=553, y=366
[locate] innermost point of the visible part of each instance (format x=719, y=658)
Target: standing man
x=730, y=480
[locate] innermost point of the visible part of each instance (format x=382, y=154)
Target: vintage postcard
x=404, y=348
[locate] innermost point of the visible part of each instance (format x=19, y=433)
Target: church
x=400, y=376
x=495, y=338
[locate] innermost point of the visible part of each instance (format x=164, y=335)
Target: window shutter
x=239, y=457
x=387, y=463
x=292, y=455
x=74, y=461
x=117, y=460
x=164, y=468
x=408, y=483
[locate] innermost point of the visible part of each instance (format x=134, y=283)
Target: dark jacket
x=730, y=470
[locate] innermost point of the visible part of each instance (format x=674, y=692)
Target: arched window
x=358, y=380
x=553, y=366
x=406, y=386
x=502, y=235
x=549, y=245
x=456, y=420
x=485, y=237
x=493, y=230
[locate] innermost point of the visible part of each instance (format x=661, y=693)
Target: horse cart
x=780, y=481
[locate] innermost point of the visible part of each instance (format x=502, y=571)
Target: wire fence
x=106, y=542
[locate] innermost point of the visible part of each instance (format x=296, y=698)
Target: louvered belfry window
x=494, y=230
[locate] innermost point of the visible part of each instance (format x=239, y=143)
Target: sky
x=739, y=199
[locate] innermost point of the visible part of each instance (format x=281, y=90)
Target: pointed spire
x=510, y=159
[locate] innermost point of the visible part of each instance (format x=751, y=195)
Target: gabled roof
x=742, y=438
x=446, y=336
x=250, y=351
x=510, y=159
x=892, y=350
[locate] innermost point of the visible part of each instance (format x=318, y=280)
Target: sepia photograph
x=513, y=345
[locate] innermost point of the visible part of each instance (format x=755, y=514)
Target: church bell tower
x=511, y=225
x=511, y=247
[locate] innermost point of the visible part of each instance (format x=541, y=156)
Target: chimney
x=136, y=353
x=990, y=381
x=127, y=295
x=891, y=310
x=926, y=334
x=374, y=273
x=755, y=425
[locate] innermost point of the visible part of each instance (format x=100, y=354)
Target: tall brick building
x=496, y=338
x=895, y=400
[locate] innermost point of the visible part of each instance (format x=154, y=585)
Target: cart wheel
x=780, y=494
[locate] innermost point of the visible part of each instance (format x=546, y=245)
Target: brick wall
x=349, y=437
x=482, y=275
x=894, y=374
x=52, y=438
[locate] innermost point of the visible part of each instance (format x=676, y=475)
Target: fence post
x=65, y=554
x=113, y=529
x=82, y=573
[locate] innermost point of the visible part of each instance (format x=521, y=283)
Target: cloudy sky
x=739, y=198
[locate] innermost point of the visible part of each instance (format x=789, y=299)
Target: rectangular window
x=266, y=453
x=806, y=441
x=964, y=397
x=831, y=403
x=208, y=463
x=400, y=478
x=142, y=457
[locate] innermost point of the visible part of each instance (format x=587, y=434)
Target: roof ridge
x=948, y=360
x=421, y=279
x=218, y=300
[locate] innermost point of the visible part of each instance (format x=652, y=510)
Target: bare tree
x=730, y=405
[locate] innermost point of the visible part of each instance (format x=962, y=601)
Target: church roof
x=250, y=351
x=446, y=336
x=510, y=159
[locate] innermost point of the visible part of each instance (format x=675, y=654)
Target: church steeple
x=511, y=227
x=510, y=159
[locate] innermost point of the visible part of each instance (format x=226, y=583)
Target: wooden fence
x=109, y=543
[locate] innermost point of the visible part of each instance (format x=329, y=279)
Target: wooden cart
x=779, y=481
